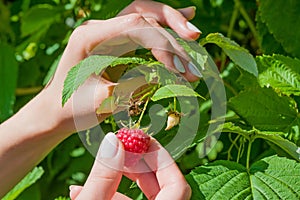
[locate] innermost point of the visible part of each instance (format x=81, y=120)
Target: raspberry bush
x=254, y=44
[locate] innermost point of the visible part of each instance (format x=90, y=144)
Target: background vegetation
x=257, y=156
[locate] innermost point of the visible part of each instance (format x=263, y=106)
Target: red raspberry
x=135, y=142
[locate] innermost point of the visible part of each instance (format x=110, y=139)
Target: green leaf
x=268, y=43
x=52, y=70
x=157, y=72
x=277, y=177
x=39, y=18
x=281, y=73
x=8, y=80
x=282, y=145
x=62, y=198
x=27, y=181
x=93, y=64
x=236, y=53
x=285, y=145
x=230, y=127
x=270, y=178
x=279, y=17
x=264, y=109
x=5, y=27
x=108, y=105
x=173, y=91
x=196, y=52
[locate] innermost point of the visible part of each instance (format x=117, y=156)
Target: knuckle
x=151, y=21
x=134, y=19
x=78, y=33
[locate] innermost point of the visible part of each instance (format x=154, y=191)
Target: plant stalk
x=249, y=153
x=248, y=20
x=143, y=111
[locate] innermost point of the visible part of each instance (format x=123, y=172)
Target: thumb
x=106, y=172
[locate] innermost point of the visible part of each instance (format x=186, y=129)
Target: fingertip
x=188, y=12
x=74, y=191
x=188, y=30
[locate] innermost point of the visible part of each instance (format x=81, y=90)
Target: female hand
x=162, y=181
x=118, y=36
x=43, y=122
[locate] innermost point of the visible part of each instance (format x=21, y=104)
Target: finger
x=165, y=15
x=171, y=181
x=105, y=175
x=145, y=178
x=116, y=31
x=120, y=30
x=74, y=191
x=180, y=60
x=188, y=13
x=119, y=196
x=147, y=182
x=133, y=28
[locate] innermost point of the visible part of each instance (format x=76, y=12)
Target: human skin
x=162, y=181
x=29, y=135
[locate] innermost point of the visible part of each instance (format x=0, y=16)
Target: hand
x=163, y=181
x=142, y=27
x=159, y=13
x=43, y=122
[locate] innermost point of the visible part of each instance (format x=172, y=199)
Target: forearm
x=26, y=138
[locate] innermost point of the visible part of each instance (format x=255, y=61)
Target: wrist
x=79, y=112
x=38, y=117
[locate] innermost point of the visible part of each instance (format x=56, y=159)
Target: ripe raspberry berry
x=135, y=142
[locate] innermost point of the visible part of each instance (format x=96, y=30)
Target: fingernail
x=109, y=146
x=178, y=64
x=74, y=188
x=194, y=70
x=74, y=191
x=194, y=7
x=71, y=187
x=192, y=27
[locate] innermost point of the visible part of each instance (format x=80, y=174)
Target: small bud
x=173, y=120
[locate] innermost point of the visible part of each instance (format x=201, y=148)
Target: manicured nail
x=194, y=7
x=109, y=146
x=74, y=191
x=178, y=64
x=192, y=27
x=194, y=70
x=71, y=187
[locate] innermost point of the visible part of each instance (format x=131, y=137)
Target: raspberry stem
x=142, y=114
x=174, y=104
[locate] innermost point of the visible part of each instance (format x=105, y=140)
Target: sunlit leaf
x=174, y=91
x=93, y=64
x=276, y=138
x=238, y=54
x=281, y=73
x=27, y=181
x=270, y=178
x=264, y=109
